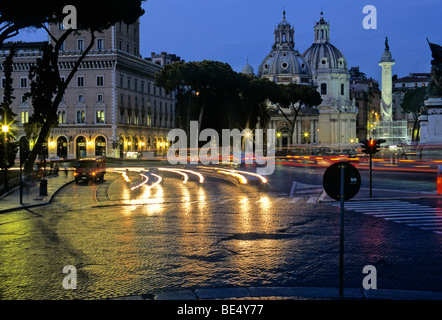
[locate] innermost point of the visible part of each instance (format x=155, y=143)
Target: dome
x=325, y=56
x=247, y=69
x=284, y=62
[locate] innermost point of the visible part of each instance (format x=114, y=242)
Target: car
x=90, y=168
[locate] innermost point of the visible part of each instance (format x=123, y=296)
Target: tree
x=47, y=87
x=413, y=103
x=294, y=97
x=8, y=147
x=92, y=15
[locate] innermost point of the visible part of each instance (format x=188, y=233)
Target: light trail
x=241, y=178
x=156, y=182
x=199, y=175
x=142, y=183
x=186, y=177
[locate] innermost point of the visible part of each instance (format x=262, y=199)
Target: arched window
x=81, y=117
x=342, y=89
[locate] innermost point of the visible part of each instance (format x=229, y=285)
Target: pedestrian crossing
x=411, y=214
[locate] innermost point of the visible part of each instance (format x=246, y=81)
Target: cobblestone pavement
x=178, y=236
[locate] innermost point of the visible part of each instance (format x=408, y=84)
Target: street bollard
x=439, y=179
x=43, y=187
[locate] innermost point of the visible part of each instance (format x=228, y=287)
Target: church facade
x=321, y=66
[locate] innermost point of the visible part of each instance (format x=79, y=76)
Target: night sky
x=233, y=31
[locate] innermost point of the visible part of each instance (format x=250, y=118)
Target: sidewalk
x=10, y=201
x=287, y=293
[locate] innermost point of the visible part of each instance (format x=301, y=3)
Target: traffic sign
x=332, y=181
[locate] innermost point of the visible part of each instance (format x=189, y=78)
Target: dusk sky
x=233, y=31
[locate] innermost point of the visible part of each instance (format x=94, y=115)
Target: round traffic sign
x=332, y=181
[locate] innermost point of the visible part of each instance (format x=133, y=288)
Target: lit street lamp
x=5, y=130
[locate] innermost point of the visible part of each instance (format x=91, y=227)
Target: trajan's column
x=387, y=63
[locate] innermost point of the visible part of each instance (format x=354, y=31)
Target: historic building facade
x=111, y=107
x=321, y=66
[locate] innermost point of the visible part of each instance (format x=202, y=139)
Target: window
x=120, y=45
x=60, y=26
x=81, y=117
x=80, y=98
x=142, y=86
x=148, y=88
x=121, y=115
x=23, y=82
x=23, y=98
x=149, y=120
x=135, y=51
x=99, y=97
x=121, y=81
x=24, y=117
x=136, y=85
x=80, y=44
x=61, y=117
x=100, y=81
x=99, y=44
x=323, y=88
x=342, y=89
x=129, y=114
x=100, y=116
x=80, y=81
x=128, y=83
x=128, y=47
x=3, y=82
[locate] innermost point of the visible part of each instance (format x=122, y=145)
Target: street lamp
x=5, y=129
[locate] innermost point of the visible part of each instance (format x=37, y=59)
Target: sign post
x=341, y=181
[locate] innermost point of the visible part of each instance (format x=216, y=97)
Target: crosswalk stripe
x=413, y=217
x=411, y=214
x=295, y=199
x=312, y=200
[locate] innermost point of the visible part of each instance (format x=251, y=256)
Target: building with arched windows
x=111, y=107
x=321, y=66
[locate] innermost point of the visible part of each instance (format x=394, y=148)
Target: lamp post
x=5, y=130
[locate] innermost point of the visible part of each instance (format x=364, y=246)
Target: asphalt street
x=126, y=240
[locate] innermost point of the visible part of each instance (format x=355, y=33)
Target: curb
x=287, y=293
x=51, y=198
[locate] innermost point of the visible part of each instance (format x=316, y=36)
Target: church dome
x=325, y=56
x=247, y=69
x=322, y=55
x=284, y=63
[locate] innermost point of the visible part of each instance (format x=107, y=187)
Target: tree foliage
x=8, y=148
x=218, y=97
x=47, y=87
x=413, y=103
x=92, y=15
